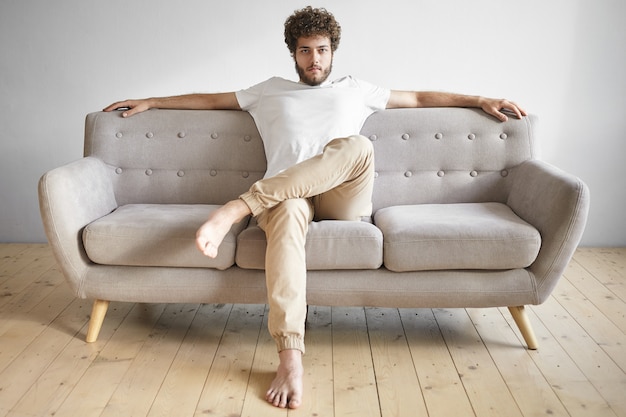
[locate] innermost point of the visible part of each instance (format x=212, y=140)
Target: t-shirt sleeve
x=249, y=98
x=375, y=97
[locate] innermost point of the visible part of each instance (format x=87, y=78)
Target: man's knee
x=356, y=143
x=356, y=148
x=362, y=142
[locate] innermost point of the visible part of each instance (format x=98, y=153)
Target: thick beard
x=313, y=83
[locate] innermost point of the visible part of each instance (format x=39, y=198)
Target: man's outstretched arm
x=218, y=101
x=492, y=106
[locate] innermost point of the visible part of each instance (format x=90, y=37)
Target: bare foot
x=210, y=235
x=286, y=389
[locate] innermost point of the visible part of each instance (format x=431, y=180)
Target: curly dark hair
x=311, y=22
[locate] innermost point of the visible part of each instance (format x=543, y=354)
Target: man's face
x=314, y=59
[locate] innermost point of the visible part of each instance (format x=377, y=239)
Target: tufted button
x=503, y=136
x=245, y=174
x=214, y=136
x=149, y=135
x=438, y=136
x=181, y=173
x=213, y=173
x=119, y=135
x=471, y=136
x=440, y=174
x=148, y=172
x=473, y=173
x=408, y=174
x=504, y=172
x=376, y=174
x=247, y=138
x=405, y=136
x=373, y=137
x=181, y=135
x=118, y=170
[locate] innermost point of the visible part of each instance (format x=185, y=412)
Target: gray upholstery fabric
x=456, y=236
x=557, y=204
x=156, y=235
x=329, y=245
x=446, y=156
x=201, y=158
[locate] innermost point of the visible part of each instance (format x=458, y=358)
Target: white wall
x=564, y=60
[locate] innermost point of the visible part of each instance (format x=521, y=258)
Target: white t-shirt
x=296, y=120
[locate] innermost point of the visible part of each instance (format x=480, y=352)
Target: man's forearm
x=195, y=102
x=441, y=99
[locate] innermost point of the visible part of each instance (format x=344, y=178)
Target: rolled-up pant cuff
x=252, y=202
x=290, y=342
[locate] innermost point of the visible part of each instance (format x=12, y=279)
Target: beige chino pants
x=335, y=185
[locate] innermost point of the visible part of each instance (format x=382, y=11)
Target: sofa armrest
x=70, y=197
x=556, y=203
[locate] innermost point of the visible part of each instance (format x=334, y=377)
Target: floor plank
x=188, y=373
x=605, y=300
x=577, y=394
x=318, y=364
x=101, y=380
x=142, y=380
x=19, y=271
x=264, y=366
x=528, y=386
x=608, y=336
x=62, y=375
x=598, y=368
x=399, y=391
x=26, y=369
x=227, y=383
x=607, y=265
x=485, y=386
x=440, y=383
x=354, y=381
x=19, y=330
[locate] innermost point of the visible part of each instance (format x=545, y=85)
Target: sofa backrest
x=446, y=155
x=209, y=157
x=177, y=156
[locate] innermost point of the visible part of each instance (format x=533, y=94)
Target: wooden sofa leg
x=521, y=319
x=98, y=312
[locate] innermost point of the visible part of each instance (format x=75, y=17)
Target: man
x=318, y=167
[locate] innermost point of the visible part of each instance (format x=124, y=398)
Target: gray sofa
x=465, y=215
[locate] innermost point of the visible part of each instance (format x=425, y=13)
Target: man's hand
x=133, y=106
x=498, y=107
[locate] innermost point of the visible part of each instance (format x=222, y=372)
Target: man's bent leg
x=344, y=160
x=286, y=226
x=346, y=166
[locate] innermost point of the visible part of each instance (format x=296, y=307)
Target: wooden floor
x=217, y=360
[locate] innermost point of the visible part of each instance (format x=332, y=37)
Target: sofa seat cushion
x=456, y=236
x=330, y=244
x=156, y=235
